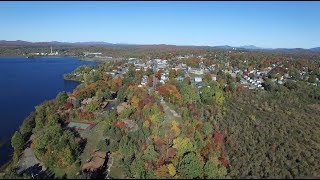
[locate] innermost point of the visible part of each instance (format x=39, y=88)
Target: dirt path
x=170, y=114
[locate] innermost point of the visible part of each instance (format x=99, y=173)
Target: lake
x=25, y=83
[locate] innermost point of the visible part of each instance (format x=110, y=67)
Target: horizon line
x=120, y=43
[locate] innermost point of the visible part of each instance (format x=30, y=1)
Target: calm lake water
x=24, y=84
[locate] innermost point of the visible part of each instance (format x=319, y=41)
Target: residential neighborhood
x=251, y=78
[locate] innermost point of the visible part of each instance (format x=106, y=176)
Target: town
x=181, y=67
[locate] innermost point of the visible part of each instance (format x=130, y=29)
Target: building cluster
x=250, y=78
x=45, y=54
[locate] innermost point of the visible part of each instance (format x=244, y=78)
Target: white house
x=196, y=71
x=163, y=77
x=179, y=78
x=214, y=77
x=198, y=79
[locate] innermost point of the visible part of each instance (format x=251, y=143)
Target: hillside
x=142, y=128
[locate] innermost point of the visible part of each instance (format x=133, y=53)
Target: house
x=163, y=77
x=286, y=75
x=122, y=107
x=196, y=71
x=104, y=104
x=243, y=81
x=214, y=78
x=198, y=79
x=258, y=73
x=97, y=161
x=111, y=73
x=71, y=99
x=87, y=101
x=179, y=78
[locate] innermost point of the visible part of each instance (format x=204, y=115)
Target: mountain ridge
x=101, y=43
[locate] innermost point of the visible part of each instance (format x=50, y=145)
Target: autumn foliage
x=171, y=92
x=85, y=115
x=192, y=108
x=88, y=91
x=119, y=124
x=218, y=137
x=224, y=161
x=150, y=81
x=158, y=74
x=116, y=82
x=68, y=105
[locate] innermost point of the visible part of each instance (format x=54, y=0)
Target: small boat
x=30, y=57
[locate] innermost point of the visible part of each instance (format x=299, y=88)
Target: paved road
x=28, y=160
x=31, y=165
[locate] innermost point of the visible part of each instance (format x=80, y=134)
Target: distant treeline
x=146, y=51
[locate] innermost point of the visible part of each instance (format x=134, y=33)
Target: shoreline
x=4, y=141
x=72, y=80
x=80, y=58
x=77, y=57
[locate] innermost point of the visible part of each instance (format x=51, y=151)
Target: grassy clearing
x=115, y=170
x=69, y=172
x=167, y=107
x=93, y=137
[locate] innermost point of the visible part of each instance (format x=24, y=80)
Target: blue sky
x=264, y=24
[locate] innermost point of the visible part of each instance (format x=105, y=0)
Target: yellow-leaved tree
x=171, y=169
x=135, y=102
x=162, y=172
x=175, y=128
x=183, y=145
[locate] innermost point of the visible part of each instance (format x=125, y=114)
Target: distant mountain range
x=315, y=49
x=26, y=43
x=251, y=47
x=101, y=43
x=241, y=47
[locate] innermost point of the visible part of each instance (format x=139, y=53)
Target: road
x=30, y=164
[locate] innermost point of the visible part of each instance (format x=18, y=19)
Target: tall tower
x=51, y=50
